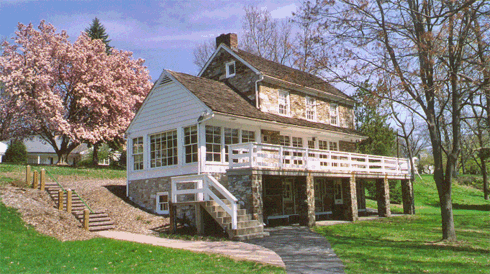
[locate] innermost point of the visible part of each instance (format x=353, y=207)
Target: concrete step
x=251, y=236
x=246, y=224
x=248, y=230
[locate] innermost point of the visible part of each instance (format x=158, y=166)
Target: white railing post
x=251, y=157
x=234, y=219
x=206, y=188
x=280, y=157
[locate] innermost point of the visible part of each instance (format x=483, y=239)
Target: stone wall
x=244, y=79
x=143, y=192
x=269, y=94
x=247, y=188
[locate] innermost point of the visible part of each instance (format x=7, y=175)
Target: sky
x=163, y=33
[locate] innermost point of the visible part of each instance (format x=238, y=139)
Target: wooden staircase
x=98, y=221
x=246, y=227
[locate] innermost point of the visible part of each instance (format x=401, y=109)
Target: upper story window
x=284, y=140
x=190, y=144
x=310, y=108
x=248, y=136
x=334, y=114
x=283, y=102
x=163, y=149
x=138, y=153
x=230, y=69
x=333, y=146
x=297, y=142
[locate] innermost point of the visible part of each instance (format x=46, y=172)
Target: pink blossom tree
x=70, y=92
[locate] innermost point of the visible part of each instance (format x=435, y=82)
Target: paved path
x=236, y=250
x=302, y=250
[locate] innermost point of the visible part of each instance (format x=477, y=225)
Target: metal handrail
x=81, y=199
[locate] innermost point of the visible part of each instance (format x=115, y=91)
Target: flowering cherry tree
x=73, y=92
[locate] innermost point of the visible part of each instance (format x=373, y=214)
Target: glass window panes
x=163, y=149
x=231, y=137
x=283, y=101
x=248, y=136
x=138, y=153
x=190, y=144
x=334, y=114
x=297, y=142
x=334, y=146
x=213, y=143
x=310, y=108
x=284, y=140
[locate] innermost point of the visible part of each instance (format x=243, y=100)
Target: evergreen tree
x=16, y=152
x=97, y=31
x=372, y=122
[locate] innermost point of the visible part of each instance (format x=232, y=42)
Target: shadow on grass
x=472, y=207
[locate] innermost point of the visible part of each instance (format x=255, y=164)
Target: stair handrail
x=233, y=200
x=64, y=191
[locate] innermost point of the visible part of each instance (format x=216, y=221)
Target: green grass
x=23, y=250
x=412, y=244
x=12, y=172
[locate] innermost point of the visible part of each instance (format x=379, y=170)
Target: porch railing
x=198, y=188
x=250, y=155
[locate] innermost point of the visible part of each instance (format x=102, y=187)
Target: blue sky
x=164, y=33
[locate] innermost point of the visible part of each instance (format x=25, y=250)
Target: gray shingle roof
x=221, y=98
x=291, y=75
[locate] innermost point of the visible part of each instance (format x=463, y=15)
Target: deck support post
x=352, y=207
x=407, y=196
x=257, y=203
x=383, y=197
x=307, y=202
x=173, y=217
x=199, y=220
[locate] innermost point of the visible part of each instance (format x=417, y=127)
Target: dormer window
x=230, y=69
x=283, y=101
x=334, y=114
x=310, y=108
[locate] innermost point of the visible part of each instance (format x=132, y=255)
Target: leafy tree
x=419, y=51
x=75, y=92
x=97, y=31
x=372, y=122
x=16, y=152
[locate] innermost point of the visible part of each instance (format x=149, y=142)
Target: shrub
x=395, y=190
x=473, y=181
x=121, y=163
x=16, y=152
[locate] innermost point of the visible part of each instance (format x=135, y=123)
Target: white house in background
x=39, y=152
x=253, y=134
x=3, y=149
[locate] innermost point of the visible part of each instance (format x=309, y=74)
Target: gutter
x=261, y=78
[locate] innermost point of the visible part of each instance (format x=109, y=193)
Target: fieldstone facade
x=244, y=79
x=383, y=197
x=268, y=102
x=143, y=192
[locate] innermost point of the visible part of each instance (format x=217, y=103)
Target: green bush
x=16, y=152
x=395, y=190
x=473, y=181
x=121, y=163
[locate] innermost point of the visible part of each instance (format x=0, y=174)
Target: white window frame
x=157, y=201
x=285, y=102
x=175, y=153
x=248, y=137
x=138, y=154
x=194, y=147
x=227, y=68
x=336, y=145
x=338, y=191
x=334, y=114
x=310, y=108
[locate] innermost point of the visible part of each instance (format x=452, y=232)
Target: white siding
x=167, y=107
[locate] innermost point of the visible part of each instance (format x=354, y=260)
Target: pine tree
x=16, y=152
x=97, y=31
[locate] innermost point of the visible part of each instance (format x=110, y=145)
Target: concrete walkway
x=235, y=250
x=302, y=250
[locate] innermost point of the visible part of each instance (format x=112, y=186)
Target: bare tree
x=203, y=52
x=416, y=50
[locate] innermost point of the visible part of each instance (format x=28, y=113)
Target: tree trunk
x=95, y=154
x=485, y=179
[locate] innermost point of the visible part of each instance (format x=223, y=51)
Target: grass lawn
x=12, y=172
x=22, y=249
x=411, y=244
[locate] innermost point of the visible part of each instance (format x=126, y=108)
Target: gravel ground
x=37, y=209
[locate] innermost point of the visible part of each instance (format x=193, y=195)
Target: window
x=138, y=153
x=231, y=137
x=338, y=193
x=248, y=136
x=334, y=114
x=310, y=108
x=190, y=144
x=322, y=144
x=287, y=192
x=283, y=102
x=163, y=149
x=213, y=144
x=311, y=143
x=334, y=146
x=162, y=203
x=297, y=142
x=284, y=140
x=230, y=69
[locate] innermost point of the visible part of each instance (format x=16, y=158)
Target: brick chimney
x=230, y=39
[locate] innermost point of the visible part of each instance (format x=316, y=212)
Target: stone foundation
x=383, y=197
x=143, y=192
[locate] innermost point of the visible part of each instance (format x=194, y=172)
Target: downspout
x=201, y=119
x=261, y=78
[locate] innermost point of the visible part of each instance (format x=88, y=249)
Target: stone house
x=249, y=142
